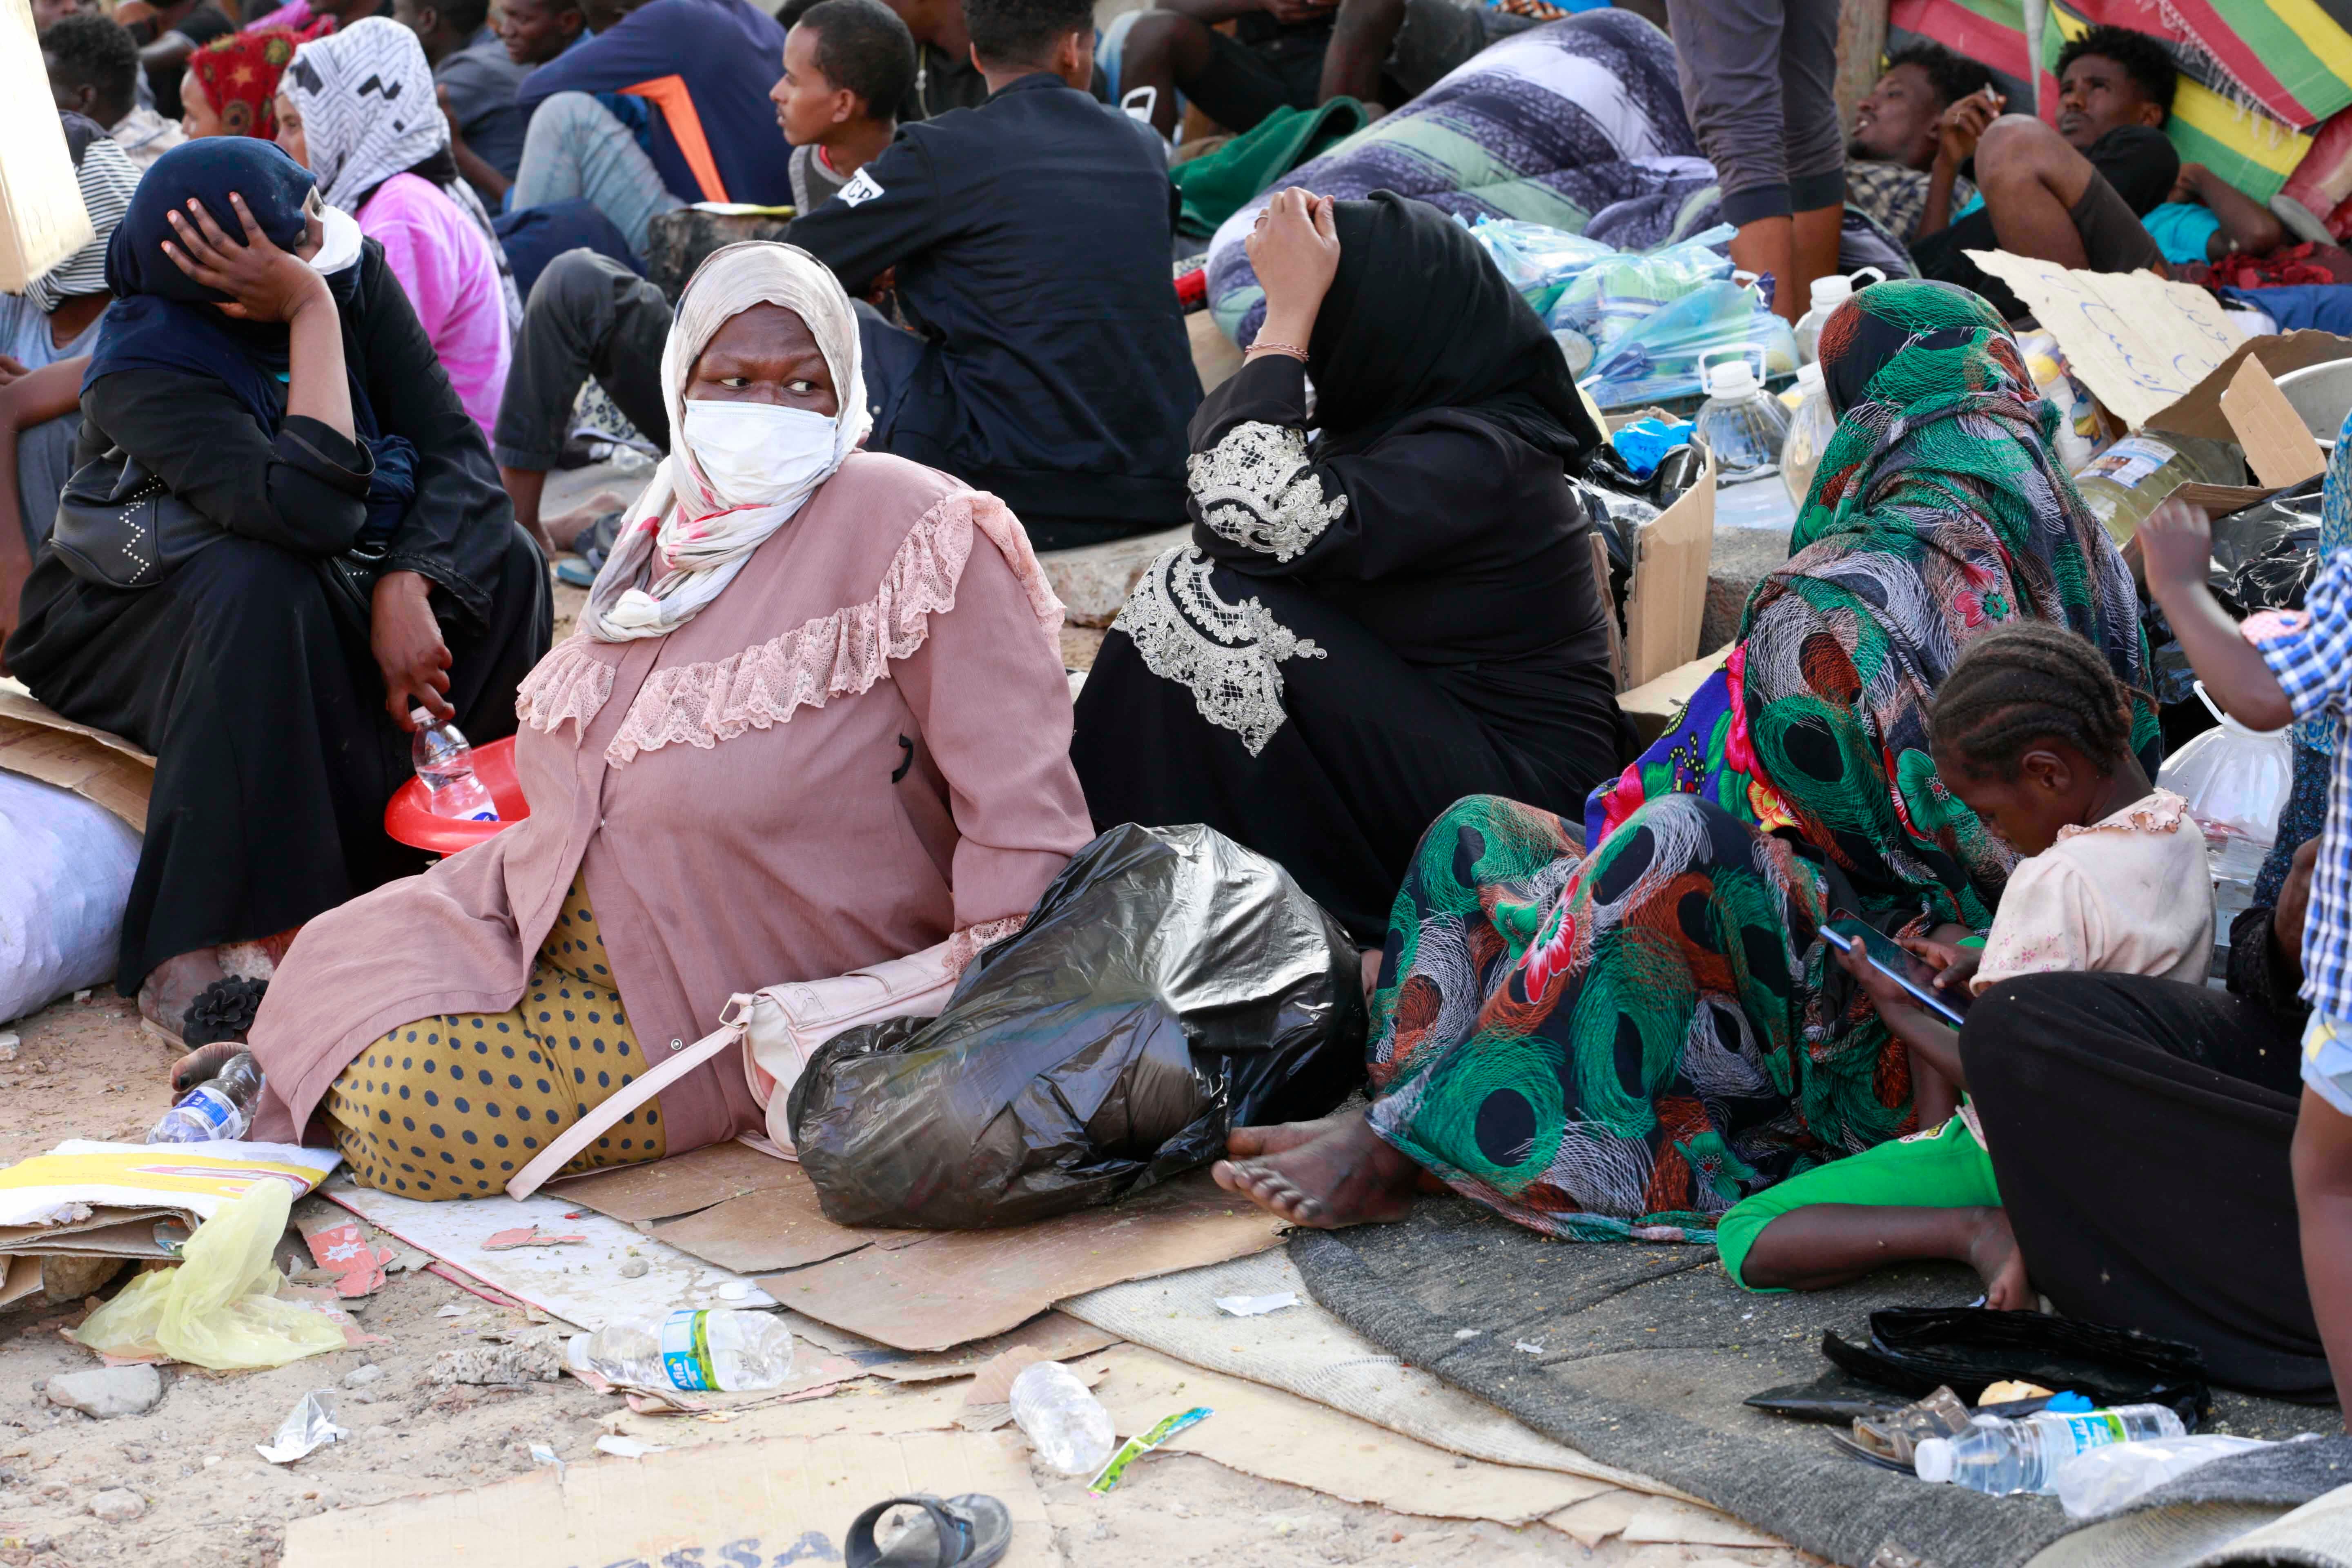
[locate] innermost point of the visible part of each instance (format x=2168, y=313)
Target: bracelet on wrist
x=1269, y=346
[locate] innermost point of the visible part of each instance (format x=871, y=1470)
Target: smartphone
x=1903, y=967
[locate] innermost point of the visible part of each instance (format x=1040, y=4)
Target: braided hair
x=2027, y=681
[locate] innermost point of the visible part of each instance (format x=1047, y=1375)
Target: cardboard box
x=1665, y=595
x=2205, y=411
x=42, y=220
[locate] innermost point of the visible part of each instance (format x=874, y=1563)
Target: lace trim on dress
x=839, y=655
x=967, y=944
x=569, y=683
x=2158, y=812
x=1228, y=655
x=1257, y=487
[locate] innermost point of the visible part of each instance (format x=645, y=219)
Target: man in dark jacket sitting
x=1031, y=240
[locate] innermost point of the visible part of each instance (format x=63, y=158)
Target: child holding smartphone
x=2032, y=733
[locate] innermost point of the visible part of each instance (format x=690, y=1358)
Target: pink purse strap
x=733, y=1019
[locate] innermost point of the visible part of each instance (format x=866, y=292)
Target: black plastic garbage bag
x=1916, y=1349
x=1170, y=985
x=2265, y=556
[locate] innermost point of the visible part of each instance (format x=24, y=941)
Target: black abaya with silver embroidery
x=1366, y=628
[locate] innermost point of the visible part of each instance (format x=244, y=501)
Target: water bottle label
x=2096, y=1430
x=685, y=1350
x=209, y=1103
x=486, y=813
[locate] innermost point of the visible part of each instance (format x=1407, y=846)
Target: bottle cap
x=1810, y=377
x=1731, y=377
x=1834, y=288
x=1933, y=1459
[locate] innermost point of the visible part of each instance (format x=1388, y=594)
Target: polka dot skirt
x=453, y=1106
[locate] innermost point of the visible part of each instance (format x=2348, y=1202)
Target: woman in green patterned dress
x=1626, y=1043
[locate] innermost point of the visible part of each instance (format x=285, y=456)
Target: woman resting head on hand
x=360, y=561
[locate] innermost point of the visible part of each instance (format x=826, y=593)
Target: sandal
x=967, y=1531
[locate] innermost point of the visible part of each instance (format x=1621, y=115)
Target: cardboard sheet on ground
x=582, y=1283
x=1265, y=1432
x=1056, y=1336
x=1311, y=1353
x=914, y=1291
x=783, y=1500
x=105, y=770
x=137, y=1201
x=2136, y=339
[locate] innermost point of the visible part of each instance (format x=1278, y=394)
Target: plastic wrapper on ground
x=219, y=1308
x=1168, y=986
x=310, y=1425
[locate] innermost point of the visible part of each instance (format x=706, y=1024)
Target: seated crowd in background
x=1600, y=1003
x=1053, y=369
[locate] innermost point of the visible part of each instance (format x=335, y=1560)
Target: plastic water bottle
x=2000, y=1457
x=1741, y=424
x=217, y=1108
x=1809, y=429
x=694, y=1351
x=1826, y=295
x=1065, y=1424
x=446, y=762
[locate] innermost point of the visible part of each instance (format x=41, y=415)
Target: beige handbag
x=778, y=1029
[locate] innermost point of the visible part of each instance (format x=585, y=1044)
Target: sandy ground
x=87, y=1070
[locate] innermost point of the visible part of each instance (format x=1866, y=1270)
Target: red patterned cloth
x=2306, y=263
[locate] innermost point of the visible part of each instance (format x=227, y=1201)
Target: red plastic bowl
x=409, y=820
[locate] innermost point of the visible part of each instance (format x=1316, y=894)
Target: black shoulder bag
x=120, y=526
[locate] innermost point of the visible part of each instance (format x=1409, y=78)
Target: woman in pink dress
x=815, y=718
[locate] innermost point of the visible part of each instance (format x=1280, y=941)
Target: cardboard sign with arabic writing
x=2136, y=339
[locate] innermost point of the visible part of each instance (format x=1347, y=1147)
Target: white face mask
x=338, y=241
x=756, y=454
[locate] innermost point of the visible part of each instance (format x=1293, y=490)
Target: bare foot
x=1250, y=1142
x=1992, y=1253
x=1348, y=1174
x=565, y=529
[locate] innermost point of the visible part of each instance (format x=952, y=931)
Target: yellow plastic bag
x=219, y=1308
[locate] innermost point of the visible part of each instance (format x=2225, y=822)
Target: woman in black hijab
x=262, y=360
x=1389, y=600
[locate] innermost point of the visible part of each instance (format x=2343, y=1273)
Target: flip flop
x=967, y=1531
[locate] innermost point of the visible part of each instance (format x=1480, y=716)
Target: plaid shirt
x=2310, y=651
x=1895, y=193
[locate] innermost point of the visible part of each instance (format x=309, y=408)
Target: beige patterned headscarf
x=680, y=545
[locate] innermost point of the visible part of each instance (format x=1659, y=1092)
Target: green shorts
x=1946, y=1169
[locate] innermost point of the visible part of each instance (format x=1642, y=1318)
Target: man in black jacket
x=1031, y=239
